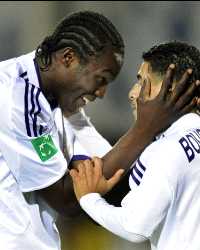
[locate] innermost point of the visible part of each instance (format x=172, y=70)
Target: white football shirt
x=164, y=192
x=28, y=135
x=30, y=156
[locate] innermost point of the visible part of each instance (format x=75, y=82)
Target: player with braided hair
x=44, y=130
x=86, y=32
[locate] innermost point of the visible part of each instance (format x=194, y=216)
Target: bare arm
x=153, y=116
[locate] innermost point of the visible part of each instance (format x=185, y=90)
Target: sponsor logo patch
x=45, y=147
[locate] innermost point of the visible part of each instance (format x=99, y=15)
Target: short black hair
x=182, y=54
x=87, y=32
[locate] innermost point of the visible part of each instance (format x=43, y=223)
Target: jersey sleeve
x=110, y=217
x=28, y=136
x=87, y=137
x=142, y=209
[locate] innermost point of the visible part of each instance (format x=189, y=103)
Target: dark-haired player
x=164, y=181
x=70, y=67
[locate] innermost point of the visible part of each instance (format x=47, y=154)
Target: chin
x=135, y=116
x=134, y=113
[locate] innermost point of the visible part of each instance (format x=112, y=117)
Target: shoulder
x=164, y=149
x=9, y=69
x=162, y=159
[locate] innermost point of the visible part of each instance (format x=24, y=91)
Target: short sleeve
x=87, y=136
x=28, y=137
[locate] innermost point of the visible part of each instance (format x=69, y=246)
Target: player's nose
x=134, y=92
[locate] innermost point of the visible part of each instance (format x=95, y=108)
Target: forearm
x=126, y=150
x=110, y=217
x=153, y=116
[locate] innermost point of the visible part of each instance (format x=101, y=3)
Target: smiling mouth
x=85, y=99
x=88, y=98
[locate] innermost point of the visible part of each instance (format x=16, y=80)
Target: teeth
x=85, y=100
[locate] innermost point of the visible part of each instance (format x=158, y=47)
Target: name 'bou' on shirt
x=164, y=192
x=166, y=180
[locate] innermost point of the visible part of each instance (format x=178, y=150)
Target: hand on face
x=155, y=115
x=88, y=178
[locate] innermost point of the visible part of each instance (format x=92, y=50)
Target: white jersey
x=28, y=135
x=164, y=192
x=31, y=158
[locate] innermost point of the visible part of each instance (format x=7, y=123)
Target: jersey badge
x=45, y=147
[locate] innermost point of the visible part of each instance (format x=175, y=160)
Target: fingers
x=181, y=85
x=74, y=174
x=79, y=183
x=88, y=178
x=190, y=106
x=145, y=90
x=167, y=81
x=89, y=172
x=98, y=170
x=198, y=105
x=98, y=166
x=114, y=179
x=187, y=97
x=81, y=169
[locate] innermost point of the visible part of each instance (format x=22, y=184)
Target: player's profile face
x=88, y=82
x=144, y=72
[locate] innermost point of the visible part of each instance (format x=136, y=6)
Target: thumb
x=145, y=90
x=114, y=179
x=73, y=173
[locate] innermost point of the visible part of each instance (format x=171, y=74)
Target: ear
x=68, y=56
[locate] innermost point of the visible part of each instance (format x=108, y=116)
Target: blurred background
x=23, y=25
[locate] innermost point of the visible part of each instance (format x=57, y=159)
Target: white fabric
x=15, y=144
x=87, y=135
x=21, y=226
x=82, y=137
x=26, y=221
x=164, y=190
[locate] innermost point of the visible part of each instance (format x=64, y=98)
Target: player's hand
x=88, y=178
x=155, y=115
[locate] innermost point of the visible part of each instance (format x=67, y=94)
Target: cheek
x=155, y=89
x=85, y=84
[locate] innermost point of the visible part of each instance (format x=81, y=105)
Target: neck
x=45, y=81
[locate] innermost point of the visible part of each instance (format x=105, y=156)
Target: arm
x=153, y=116
x=132, y=221
x=33, y=157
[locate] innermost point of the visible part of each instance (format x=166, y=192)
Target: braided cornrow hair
x=87, y=32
